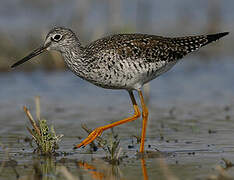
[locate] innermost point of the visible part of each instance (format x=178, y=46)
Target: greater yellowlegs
x=122, y=61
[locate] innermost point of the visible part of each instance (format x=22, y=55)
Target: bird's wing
x=137, y=47
x=149, y=48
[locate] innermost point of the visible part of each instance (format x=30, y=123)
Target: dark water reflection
x=191, y=116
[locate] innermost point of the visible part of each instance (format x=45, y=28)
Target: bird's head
x=58, y=38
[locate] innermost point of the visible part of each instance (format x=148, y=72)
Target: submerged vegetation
x=45, y=137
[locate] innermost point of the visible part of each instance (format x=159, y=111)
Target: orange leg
x=98, y=131
x=144, y=170
x=144, y=121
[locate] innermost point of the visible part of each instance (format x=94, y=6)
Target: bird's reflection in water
x=144, y=170
x=92, y=170
x=101, y=171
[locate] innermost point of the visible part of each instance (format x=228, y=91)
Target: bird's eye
x=57, y=37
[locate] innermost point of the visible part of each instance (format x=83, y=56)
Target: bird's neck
x=74, y=58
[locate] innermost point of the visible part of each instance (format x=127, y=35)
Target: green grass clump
x=45, y=137
x=110, y=144
x=113, y=149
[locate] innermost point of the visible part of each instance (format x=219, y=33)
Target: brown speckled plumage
x=128, y=61
x=123, y=61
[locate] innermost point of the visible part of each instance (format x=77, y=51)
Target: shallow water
x=191, y=121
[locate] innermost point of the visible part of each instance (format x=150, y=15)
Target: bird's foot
x=91, y=137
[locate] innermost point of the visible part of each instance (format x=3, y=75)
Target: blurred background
x=191, y=107
x=204, y=77
x=25, y=23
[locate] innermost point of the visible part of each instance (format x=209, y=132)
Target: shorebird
x=121, y=61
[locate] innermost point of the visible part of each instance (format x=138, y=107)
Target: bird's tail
x=192, y=43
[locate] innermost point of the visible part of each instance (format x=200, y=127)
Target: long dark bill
x=30, y=56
